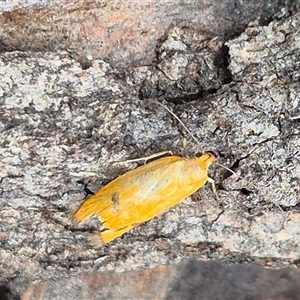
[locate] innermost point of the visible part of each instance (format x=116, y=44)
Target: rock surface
x=187, y=280
x=65, y=121
x=122, y=32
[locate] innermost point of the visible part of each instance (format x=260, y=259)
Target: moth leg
x=146, y=158
x=183, y=151
x=183, y=142
x=213, y=185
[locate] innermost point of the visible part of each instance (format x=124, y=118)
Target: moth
x=145, y=192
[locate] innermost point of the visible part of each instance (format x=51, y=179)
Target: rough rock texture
x=190, y=279
x=64, y=123
x=123, y=32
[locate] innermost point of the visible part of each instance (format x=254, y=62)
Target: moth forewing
x=145, y=192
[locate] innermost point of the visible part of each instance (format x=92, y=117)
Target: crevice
x=222, y=62
x=246, y=192
x=85, y=187
x=191, y=97
x=4, y=291
x=233, y=167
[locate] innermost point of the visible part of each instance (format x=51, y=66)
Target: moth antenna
x=178, y=119
x=197, y=142
x=184, y=126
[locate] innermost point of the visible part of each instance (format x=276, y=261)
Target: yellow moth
x=145, y=192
